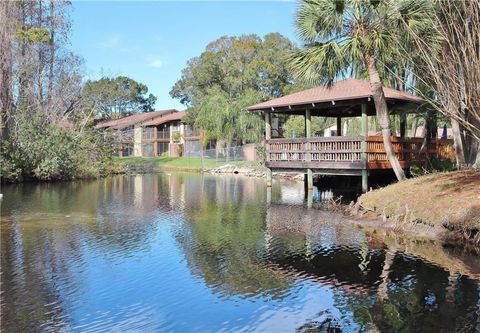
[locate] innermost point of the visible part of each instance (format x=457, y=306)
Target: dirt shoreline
x=444, y=205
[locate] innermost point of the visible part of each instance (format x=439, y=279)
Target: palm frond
x=319, y=19
x=320, y=63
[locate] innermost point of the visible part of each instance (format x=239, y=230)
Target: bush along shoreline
x=39, y=150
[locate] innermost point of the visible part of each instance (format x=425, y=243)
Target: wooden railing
x=407, y=151
x=341, y=152
x=316, y=149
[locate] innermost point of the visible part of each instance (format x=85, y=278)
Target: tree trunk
x=382, y=115
x=6, y=24
x=414, y=126
x=22, y=76
x=40, y=59
x=52, y=50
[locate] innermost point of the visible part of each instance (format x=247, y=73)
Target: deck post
x=308, y=180
x=309, y=196
x=308, y=157
x=308, y=123
x=364, y=148
x=268, y=136
x=269, y=177
x=339, y=126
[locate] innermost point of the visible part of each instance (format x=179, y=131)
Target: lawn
x=170, y=163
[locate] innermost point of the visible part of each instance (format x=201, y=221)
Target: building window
x=147, y=149
x=127, y=149
x=163, y=132
x=176, y=126
x=126, y=134
x=162, y=148
x=192, y=146
x=148, y=133
x=191, y=132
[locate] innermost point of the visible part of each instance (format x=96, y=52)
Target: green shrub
x=434, y=165
x=48, y=151
x=261, y=151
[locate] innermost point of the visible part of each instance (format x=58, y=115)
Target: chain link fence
x=237, y=153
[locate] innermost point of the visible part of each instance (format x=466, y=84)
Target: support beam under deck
x=364, y=148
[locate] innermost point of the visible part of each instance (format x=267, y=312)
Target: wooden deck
x=343, y=155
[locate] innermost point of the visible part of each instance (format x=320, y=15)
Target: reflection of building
x=154, y=134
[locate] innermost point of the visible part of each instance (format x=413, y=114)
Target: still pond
x=195, y=253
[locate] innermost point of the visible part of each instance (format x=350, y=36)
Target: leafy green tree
x=296, y=124
x=231, y=74
x=117, y=97
x=361, y=35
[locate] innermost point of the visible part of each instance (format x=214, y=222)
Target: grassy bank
x=153, y=164
x=447, y=204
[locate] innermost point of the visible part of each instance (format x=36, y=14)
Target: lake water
x=192, y=253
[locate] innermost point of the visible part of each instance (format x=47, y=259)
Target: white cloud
x=156, y=63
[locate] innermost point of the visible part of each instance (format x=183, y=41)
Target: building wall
x=249, y=152
x=137, y=140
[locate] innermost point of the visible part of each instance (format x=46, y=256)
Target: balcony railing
x=163, y=134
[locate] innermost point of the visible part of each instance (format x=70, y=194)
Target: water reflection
x=187, y=252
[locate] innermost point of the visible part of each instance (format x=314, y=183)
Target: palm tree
x=357, y=36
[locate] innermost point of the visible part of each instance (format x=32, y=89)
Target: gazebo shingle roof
x=345, y=90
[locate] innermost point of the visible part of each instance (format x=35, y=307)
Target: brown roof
x=171, y=117
x=135, y=119
x=345, y=90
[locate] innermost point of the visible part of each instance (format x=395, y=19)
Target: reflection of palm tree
x=382, y=290
x=326, y=325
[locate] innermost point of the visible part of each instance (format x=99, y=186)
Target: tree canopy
x=117, y=97
x=296, y=124
x=232, y=73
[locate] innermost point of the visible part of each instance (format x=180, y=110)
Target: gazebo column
x=364, y=148
x=268, y=136
x=308, y=134
x=339, y=126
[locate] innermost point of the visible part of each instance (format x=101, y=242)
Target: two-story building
x=171, y=136
x=158, y=133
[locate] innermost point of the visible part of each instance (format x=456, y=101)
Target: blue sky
x=152, y=41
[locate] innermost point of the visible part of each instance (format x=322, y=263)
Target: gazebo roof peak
x=349, y=92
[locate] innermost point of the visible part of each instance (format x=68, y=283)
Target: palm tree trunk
x=382, y=115
x=458, y=142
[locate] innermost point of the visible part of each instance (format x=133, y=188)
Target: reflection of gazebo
x=340, y=155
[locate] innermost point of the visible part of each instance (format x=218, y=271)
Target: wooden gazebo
x=338, y=155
